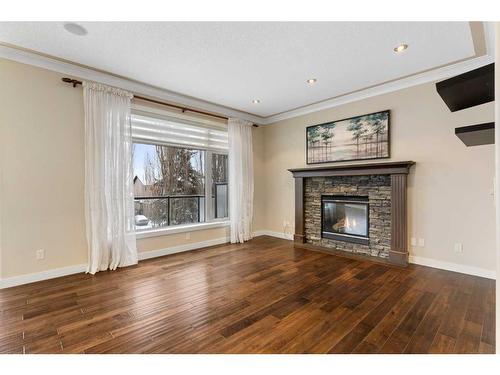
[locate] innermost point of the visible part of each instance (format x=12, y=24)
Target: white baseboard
x=181, y=248
x=40, y=276
x=58, y=272
x=469, y=270
x=455, y=267
x=284, y=236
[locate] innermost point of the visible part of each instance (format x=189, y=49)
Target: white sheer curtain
x=240, y=179
x=109, y=198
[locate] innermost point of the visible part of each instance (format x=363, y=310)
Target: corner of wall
x=411, y=128
x=259, y=221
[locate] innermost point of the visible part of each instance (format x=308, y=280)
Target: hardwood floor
x=261, y=297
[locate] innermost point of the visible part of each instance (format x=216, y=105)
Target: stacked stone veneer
x=378, y=191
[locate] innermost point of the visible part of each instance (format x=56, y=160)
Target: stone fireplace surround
x=385, y=186
x=376, y=188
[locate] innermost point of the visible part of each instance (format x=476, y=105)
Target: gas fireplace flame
x=349, y=224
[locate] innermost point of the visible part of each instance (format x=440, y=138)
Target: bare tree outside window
x=169, y=185
x=219, y=185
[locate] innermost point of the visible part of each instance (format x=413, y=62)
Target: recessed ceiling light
x=256, y=101
x=75, y=29
x=312, y=81
x=400, y=48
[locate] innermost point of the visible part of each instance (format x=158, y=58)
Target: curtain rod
x=75, y=83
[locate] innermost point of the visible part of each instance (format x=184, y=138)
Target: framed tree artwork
x=356, y=138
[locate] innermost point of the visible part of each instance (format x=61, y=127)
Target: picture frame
x=363, y=137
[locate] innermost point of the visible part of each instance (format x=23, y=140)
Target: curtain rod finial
x=74, y=82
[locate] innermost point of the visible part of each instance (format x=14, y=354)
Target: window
x=219, y=185
x=180, y=173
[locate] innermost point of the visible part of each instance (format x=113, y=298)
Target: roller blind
x=176, y=132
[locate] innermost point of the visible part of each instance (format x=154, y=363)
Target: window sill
x=181, y=229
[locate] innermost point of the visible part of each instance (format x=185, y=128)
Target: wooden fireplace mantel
x=397, y=170
x=394, y=167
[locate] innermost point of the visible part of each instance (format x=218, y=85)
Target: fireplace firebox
x=345, y=218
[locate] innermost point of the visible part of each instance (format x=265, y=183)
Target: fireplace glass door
x=345, y=218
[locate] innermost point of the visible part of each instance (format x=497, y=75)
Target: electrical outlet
x=188, y=235
x=413, y=241
x=421, y=242
x=40, y=254
x=458, y=248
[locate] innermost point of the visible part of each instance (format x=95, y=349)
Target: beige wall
x=42, y=175
x=259, y=211
x=162, y=242
x=42, y=167
x=449, y=188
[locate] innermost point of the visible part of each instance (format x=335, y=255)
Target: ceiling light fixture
x=75, y=29
x=312, y=81
x=400, y=48
x=256, y=101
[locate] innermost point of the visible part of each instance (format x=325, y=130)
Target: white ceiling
x=231, y=64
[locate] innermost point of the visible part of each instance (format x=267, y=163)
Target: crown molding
x=399, y=84
x=67, y=68
x=85, y=73
x=430, y=76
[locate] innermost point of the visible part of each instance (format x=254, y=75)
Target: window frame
x=182, y=228
x=209, y=214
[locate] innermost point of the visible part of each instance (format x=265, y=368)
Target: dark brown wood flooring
x=261, y=297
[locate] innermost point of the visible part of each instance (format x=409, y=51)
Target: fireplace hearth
x=345, y=218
